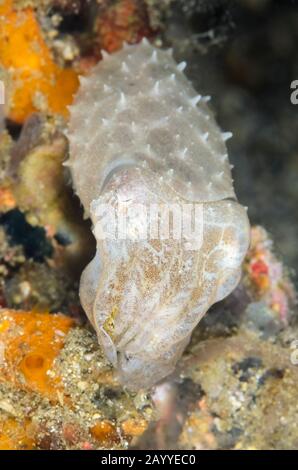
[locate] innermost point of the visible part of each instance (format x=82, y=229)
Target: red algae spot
x=267, y=276
x=123, y=21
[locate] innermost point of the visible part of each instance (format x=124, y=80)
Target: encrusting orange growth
x=36, y=82
x=134, y=427
x=104, y=431
x=15, y=435
x=7, y=199
x=54, y=387
x=31, y=342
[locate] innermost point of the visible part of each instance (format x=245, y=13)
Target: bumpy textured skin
x=139, y=132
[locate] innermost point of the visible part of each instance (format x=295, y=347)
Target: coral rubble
x=57, y=391
x=235, y=385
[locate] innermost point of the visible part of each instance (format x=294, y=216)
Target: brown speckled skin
x=139, y=132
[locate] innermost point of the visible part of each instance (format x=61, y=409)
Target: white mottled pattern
x=139, y=132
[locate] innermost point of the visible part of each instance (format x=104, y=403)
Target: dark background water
x=245, y=55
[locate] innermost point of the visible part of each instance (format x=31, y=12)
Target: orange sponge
x=37, y=83
x=31, y=342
